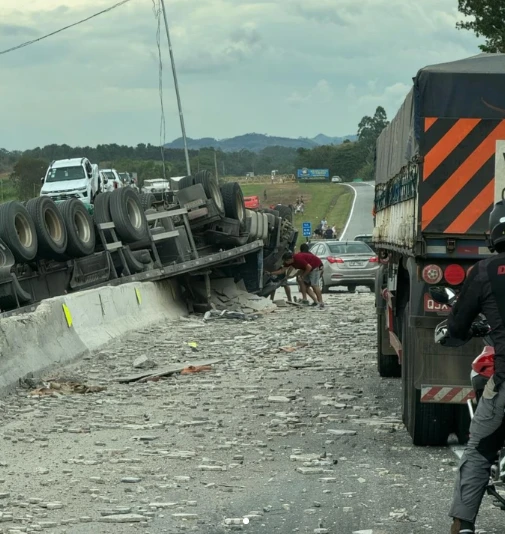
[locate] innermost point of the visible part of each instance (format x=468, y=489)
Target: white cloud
x=287, y=67
x=319, y=94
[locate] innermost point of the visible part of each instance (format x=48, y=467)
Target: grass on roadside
x=330, y=201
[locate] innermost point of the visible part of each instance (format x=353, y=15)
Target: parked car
x=336, y=179
x=71, y=178
x=110, y=180
x=127, y=180
x=156, y=185
x=365, y=238
x=346, y=263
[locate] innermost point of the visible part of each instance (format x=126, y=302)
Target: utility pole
x=215, y=163
x=179, y=105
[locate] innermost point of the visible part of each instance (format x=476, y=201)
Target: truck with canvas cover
x=439, y=169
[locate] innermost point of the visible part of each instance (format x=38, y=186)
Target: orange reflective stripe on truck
x=457, y=189
x=447, y=144
x=429, y=122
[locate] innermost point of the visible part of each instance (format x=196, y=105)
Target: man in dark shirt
x=309, y=268
x=483, y=292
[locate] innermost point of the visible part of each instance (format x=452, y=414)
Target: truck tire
x=147, y=200
x=387, y=364
x=17, y=230
x=253, y=230
x=259, y=233
x=265, y=226
x=49, y=227
x=285, y=212
x=211, y=188
x=101, y=208
x=185, y=182
x=406, y=360
x=133, y=263
x=101, y=212
x=462, y=420
x=233, y=200
x=275, y=213
x=431, y=422
x=128, y=216
x=80, y=228
x=428, y=424
x=324, y=288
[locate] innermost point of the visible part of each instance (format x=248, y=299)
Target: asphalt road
x=361, y=220
x=292, y=432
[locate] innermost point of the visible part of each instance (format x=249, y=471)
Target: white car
x=110, y=180
x=71, y=178
x=128, y=180
x=336, y=179
x=156, y=185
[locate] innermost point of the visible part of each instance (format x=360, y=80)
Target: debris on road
x=226, y=294
x=280, y=441
x=225, y=314
x=167, y=371
x=143, y=362
x=195, y=369
x=56, y=388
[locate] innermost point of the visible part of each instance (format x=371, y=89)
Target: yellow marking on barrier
x=139, y=298
x=68, y=315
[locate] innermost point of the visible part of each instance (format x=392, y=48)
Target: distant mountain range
x=256, y=142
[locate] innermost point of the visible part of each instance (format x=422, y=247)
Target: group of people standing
x=308, y=269
x=325, y=231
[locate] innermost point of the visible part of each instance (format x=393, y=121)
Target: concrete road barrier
x=64, y=328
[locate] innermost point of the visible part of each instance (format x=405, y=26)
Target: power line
x=27, y=43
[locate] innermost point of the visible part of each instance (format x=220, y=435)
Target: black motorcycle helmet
x=497, y=226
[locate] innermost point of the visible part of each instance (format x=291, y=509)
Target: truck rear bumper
x=446, y=394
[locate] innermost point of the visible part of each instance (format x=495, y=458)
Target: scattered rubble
x=284, y=428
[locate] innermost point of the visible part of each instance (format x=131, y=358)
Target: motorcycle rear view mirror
x=442, y=295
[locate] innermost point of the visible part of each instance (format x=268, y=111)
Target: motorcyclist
x=483, y=292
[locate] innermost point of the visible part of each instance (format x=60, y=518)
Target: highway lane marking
x=351, y=213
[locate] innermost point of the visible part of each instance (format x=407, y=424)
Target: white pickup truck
x=110, y=179
x=71, y=178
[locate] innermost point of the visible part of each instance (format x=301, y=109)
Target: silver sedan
x=346, y=263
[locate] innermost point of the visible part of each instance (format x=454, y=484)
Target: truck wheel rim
x=53, y=226
x=216, y=196
x=134, y=213
x=23, y=230
x=240, y=210
x=82, y=227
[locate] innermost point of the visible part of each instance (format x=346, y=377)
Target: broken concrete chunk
x=143, y=362
x=341, y=432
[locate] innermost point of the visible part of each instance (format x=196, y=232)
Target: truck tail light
x=332, y=259
x=454, y=274
x=432, y=274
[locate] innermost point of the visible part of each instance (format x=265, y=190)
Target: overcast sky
x=280, y=67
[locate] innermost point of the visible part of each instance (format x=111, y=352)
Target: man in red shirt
x=309, y=268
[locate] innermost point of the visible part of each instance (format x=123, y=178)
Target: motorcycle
x=482, y=371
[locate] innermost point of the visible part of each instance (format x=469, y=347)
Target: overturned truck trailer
x=200, y=231
x=439, y=170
